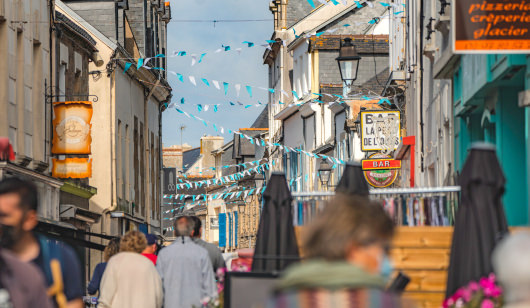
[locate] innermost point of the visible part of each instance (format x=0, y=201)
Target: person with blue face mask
x=347, y=263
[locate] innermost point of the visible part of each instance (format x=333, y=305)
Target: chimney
x=209, y=144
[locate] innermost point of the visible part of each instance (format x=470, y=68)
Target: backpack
x=52, y=259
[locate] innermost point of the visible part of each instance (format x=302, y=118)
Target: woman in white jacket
x=130, y=279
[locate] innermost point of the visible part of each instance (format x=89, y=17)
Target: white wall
x=293, y=131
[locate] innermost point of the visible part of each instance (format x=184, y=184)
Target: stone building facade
x=25, y=75
x=173, y=156
x=305, y=62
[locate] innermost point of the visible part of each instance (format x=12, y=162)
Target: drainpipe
x=112, y=103
x=422, y=124
x=49, y=130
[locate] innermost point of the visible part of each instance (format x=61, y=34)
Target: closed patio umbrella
x=480, y=220
x=352, y=181
x=276, y=245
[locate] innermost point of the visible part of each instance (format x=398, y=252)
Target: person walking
x=511, y=266
x=150, y=249
x=185, y=268
x=130, y=279
x=112, y=248
x=57, y=261
x=216, y=257
x=21, y=284
x=348, y=266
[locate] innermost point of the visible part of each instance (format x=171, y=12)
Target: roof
x=88, y=27
x=262, y=121
x=224, y=147
x=74, y=27
x=189, y=157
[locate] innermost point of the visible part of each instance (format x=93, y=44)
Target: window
x=62, y=78
x=28, y=103
x=12, y=91
x=309, y=132
x=13, y=138
x=28, y=145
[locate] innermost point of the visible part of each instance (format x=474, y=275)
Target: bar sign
x=381, y=164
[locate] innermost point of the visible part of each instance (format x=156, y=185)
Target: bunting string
x=244, y=165
x=198, y=57
x=264, y=142
x=227, y=178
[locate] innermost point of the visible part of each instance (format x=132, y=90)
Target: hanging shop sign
x=380, y=177
x=71, y=127
x=74, y=168
x=380, y=130
x=170, y=178
x=491, y=26
x=381, y=164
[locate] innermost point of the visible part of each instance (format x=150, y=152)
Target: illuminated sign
x=491, y=26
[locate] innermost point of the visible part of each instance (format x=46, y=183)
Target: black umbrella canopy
x=480, y=221
x=352, y=181
x=276, y=245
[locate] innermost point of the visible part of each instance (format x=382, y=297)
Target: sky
x=245, y=69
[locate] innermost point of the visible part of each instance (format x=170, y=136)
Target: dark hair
x=196, y=225
x=26, y=190
x=347, y=221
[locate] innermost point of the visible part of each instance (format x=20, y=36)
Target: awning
x=69, y=234
x=122, y=214
x=70, y=211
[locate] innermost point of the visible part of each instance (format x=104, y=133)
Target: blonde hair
x=133, y=241
x=113, y=247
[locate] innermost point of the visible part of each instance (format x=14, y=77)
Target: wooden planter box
x=423, y=254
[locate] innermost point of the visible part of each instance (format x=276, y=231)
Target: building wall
x=23, y=75
x=427, y=97
x=172, y=156
x=488, y=110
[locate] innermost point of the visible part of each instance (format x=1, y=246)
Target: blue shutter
x=222, y=230
x=235, y=228
x=229, y=230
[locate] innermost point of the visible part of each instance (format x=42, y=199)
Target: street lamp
x=348, y=61
x=324, y=172
x=259, y=179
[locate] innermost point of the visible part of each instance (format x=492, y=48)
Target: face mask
x=386, y=268
x=8, y=236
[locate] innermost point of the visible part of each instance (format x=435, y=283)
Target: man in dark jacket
x=348, y=266
x=18, y=217
x=213, y=251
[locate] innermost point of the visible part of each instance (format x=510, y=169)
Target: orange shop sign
x=74, y=168
x=71, y=127
x=490, y=26
x=381, y=164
